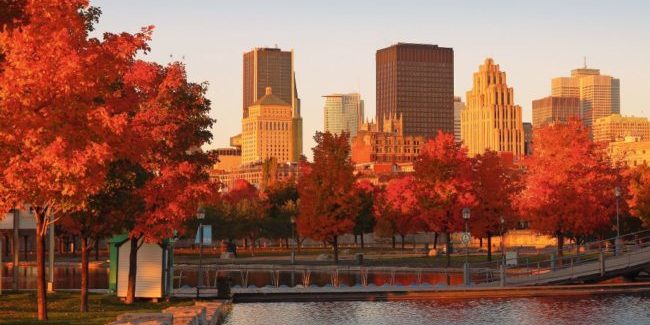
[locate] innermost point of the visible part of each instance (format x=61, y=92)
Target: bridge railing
x=573, y=258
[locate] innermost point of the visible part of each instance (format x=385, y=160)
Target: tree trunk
x=402, y=241
x=489, y=246
x=362, y=245
x=435, y=240
x=393, y=241
x=480, y=242
x=560, y=244
x=84, y=274
x=355, y=239
x=133, y=269
x=448, y=248
x=335, y=245
x=41, y=293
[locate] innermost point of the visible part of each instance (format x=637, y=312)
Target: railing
x=316, y=276
x=587, y=259
x=600, y=255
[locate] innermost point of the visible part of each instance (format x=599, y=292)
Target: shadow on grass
x=63, y=308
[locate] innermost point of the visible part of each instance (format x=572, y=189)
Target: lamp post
x=200, y=215
x=293, y=239
x=617, y=243
x=502, y=222
x=466, y=238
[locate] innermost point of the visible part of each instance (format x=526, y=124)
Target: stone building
x=387, y=144
x=491, y=120
x=268, y=131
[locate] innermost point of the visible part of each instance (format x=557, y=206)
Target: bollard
x=553, y=257
x=601, y=259
x=466, y=275
x=503, y=276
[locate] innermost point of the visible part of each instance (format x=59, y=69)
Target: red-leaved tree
x=495, y=184
x=328, y=204
x=396, y=209
x=443, y=174
x=569, y=184
x=60, y=111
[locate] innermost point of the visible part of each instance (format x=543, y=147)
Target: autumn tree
x=105, y=211
x=638, y=189
x=443, y=178
x=569, y=184
x=396, y=209
x=247, y=210
x=495, y=184
x=328, y=204
x=282, y=198
x=365, y=220
x=60, y=111
x=168, y=126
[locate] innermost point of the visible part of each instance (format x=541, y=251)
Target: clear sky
x=335, y=43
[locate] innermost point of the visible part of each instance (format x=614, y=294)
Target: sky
x=335, y=41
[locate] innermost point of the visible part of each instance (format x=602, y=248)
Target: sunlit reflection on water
x=543, y=311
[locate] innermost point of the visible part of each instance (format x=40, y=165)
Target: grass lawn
x=20, y=308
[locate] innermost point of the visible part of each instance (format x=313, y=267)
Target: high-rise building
x=272, y=67
x=491, y=120
x=343, y=113
x=387, y=144
x=599, y=94
x=528, y=138
x=416, y=81
x=616, y=128
x=269, y=131
x=554, y=109
x=459, y=106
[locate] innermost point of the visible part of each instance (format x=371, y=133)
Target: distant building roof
x=270, y=99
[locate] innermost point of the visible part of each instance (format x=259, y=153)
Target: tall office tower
x=416, y=81
x=492, y=121
x=459, y=106
x=528, y=138
x=616, y=128
x=268, y=131
x=599, y=94
x=343, y=113
x=555, y=109
x=272, y=67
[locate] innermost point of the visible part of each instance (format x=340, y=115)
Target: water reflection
x=543, y=311
x=65, y=277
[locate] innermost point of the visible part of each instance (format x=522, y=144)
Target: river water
x=619, y=309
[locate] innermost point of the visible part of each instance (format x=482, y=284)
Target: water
x=65, y=277
x=619, y=309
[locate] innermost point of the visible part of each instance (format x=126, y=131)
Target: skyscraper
x=599, y=94
x=343, y=113
x=268, y=131
x=491, y=120
x=272, y=67
x=416, y=82
x=555, y=109
x=459, y=106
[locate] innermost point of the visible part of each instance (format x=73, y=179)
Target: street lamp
x=200, y=215
x=502, y=222
x=617, y=193
x=293, y=238
x=466, y=238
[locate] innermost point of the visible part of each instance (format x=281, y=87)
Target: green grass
x=20, y=308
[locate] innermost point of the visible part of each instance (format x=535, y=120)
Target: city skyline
x=328, y=58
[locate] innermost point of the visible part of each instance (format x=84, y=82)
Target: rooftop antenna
x=584, y=62
x=276, y=45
